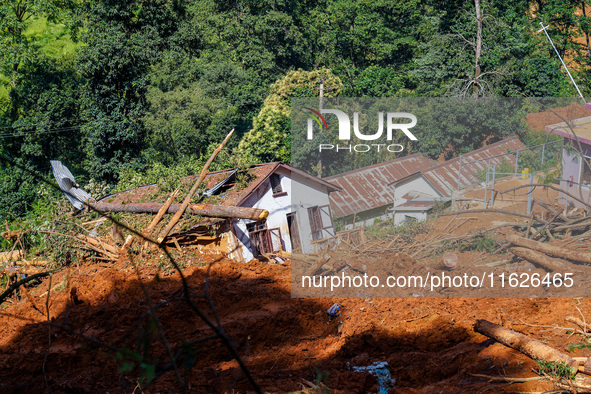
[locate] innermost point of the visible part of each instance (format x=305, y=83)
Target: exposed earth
x=289, y=345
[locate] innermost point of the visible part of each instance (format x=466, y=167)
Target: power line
x=23, y=126
x=33, y=132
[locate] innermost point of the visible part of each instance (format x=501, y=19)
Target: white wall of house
x=300, y=194
x=305, y=195
x=369, y=217
x=402, y=217
x=417, y=185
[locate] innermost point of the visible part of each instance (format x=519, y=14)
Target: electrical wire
x=33, y=132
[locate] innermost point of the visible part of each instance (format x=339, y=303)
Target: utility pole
x=321, y=90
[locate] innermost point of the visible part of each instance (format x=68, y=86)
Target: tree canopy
x=111, y=86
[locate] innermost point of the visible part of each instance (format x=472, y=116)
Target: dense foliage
x=119, y=87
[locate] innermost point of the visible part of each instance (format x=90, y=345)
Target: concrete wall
x=368, y=218
x=418, y=184
x=307, y=194
x=400, y=218
x=571, y=166
x=386, y=212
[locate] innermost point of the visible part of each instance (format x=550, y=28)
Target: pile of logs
x=113, y=247
x=550, y=257
x=112, y=251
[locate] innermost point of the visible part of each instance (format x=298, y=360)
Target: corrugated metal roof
x=444, y=176
x=371, y=187
x=234, y=196
x=368, y=187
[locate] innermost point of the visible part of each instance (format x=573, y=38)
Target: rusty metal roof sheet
x=368, y=187
x=67, y=184
x=235, y=195
x=445, y=176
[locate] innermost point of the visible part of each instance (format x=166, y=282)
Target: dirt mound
x=429, y=344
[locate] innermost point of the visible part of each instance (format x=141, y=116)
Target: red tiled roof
x=370, y=187
x=232, y=197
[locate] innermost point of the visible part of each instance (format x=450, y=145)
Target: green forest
x=128, y=92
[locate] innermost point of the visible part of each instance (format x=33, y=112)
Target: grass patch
x=555, y=370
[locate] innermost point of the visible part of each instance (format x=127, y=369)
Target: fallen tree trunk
x=21, y=269
x=539, y=258
x=581, y=225
x=555, y=251
x=11, y=234
x=530, y=347
x=16, y=285
x=318, y=264
x=585, y=326
x=98, y=244
x=493, y=210
x=177, y=216
x=216, y=211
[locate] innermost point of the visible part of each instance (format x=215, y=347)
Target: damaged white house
x=295, y=220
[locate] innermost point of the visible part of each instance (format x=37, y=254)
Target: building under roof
x=367, y=188
x=298, y=205
x=380, y=190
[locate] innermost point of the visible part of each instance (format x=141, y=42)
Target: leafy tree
x=123, y=39
x=47, y=127
x=270, y=137
x=18, y=48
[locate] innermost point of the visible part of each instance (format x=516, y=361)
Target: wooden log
x=538, y=258
x=82, y=239
x=316, y=265
x=284, y=254
x=98, y=244
x=548, y=207
x=11, y=234
x=193, y=190
x=530, y=347
x=552, y=250
x=22, y=269
x=582, y=225
x=494, y=210
x=208, y=210
x=156, y=219
x=545, y=226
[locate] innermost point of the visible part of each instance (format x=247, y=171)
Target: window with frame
x=314, y=215
x=256, y=226
x=275, y=180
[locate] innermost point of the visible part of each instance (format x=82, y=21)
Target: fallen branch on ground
x=538, y=258
x=578, y=322
x=21, y=282
x=193, y=190
x=493, y=210
x=532, y=348
x=551, y=250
